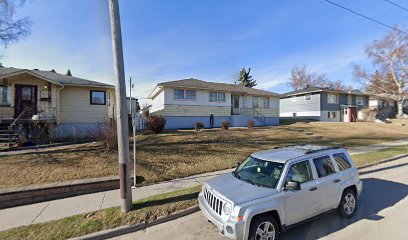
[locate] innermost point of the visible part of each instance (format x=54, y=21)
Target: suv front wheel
x=264, y=227
x=348, y=204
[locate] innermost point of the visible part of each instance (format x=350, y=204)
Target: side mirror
x=291, y=185
x=238, y=163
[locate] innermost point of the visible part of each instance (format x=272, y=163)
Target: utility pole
x=121, y=112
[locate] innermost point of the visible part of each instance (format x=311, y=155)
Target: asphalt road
x=382, y=214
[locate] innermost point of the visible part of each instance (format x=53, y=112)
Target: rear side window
x=300, y=172
x=342, y=161
x=324, y=166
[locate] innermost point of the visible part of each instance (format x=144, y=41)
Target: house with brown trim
x=73, y=107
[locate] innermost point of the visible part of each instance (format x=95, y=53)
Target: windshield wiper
x=252, y=182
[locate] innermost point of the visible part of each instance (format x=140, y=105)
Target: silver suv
x=275, y=189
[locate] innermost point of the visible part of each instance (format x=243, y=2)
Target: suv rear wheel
x=348, y=204
x=264, y=227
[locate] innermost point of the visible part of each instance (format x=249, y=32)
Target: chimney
x=1, y=65
x=69, y=73
x=53, y=70
x=36, y=69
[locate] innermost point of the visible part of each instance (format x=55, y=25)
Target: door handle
x=312, y=188
x=336, y=180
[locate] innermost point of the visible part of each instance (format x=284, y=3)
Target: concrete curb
x=105, y=234
x=383, y=161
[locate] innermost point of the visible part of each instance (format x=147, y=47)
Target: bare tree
x=389, y=57
x=11, y=29
x=301, y=77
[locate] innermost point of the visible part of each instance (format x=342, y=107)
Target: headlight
x=226, y=209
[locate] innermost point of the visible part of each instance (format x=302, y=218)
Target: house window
x=3, y=95
x=331, y=115
x=98, y=97
x=260, y=102
x=308, y=97
x=190, y=94
x=293, y=99
x=217, y=97
x=184, y=94
x=360, y=100
x=332, y=98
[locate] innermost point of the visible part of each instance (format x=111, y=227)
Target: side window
x=300, y=172
x=342, y=161
x=324, y=166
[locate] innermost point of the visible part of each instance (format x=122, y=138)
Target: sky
x=210, y=40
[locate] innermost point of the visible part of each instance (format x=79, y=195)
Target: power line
x=366, y=17
x=397, y=5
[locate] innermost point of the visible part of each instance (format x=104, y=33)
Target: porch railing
x=251, y=112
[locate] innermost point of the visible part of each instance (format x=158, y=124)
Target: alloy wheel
x=349, y=203
x=265, y=231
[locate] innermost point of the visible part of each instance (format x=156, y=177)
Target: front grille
x=213, y=201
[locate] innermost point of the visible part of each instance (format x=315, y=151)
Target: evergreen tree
x=245, y=79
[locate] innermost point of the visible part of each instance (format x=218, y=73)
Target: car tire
x=262, y=226
x=348, y=204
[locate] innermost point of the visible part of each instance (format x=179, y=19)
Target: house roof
x=312, y=89
x=193, y=83
x=56, y=78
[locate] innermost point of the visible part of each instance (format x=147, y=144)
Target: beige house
x=74, y=106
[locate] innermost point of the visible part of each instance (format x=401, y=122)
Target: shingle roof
x=200, y=84
x=54, y=77
x=311, y=89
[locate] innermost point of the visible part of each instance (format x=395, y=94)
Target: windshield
x=259, y=172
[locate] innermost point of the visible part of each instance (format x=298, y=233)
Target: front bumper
x=228, y=228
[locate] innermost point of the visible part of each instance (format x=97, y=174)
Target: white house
x=186, y=101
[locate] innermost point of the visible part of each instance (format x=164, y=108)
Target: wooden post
x=121, y=109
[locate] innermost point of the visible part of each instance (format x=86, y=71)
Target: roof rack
x=323, y=149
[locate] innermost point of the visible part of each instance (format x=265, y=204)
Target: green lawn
x=366, y=158
x=79, y=225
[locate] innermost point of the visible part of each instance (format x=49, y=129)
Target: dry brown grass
x=179, y=154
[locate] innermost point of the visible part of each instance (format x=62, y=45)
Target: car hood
x=237, y=191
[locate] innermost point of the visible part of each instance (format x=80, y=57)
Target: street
x=381, y=214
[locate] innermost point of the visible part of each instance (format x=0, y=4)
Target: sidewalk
x=61, y=208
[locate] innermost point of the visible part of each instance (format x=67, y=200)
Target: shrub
x=198, y=126
x=369, y=115
x=225, y=125
x=107, y=134
x=156, y=123
x=250, y=124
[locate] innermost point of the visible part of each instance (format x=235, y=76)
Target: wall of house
x=309, y=109
x=158, y=103
x=184, y=113
x=45, y=108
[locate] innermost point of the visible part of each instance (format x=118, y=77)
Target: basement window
x=98, y=97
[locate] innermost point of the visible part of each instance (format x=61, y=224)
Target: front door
x=25, y=101
x=234, y=104
x=352, y=114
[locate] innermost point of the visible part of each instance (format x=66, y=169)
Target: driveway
x=382, y=214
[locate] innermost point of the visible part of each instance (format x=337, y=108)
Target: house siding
x=302, y=108
x=76, y=107
x=183, y=113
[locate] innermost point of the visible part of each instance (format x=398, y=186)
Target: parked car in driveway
x=275, y=189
